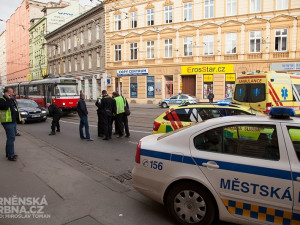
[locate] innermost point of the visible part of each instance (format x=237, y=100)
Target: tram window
x=35, y=90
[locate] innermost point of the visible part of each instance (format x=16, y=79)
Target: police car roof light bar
x=281, y=112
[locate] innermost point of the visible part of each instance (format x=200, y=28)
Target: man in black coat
x=83, y=115
x=56, y=113
x=107, y=109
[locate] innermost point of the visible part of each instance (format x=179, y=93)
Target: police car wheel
x=190, y=203
x=164, y=105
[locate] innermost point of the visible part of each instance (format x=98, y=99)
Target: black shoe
x=14, y=158
x=109, y=137
x=127, y=136
x=18, y=134
x=57, y=130
x=100, y=135
x=106, y=138
x=115, y=133
x=120, y=136
x=83, y=138
x=52, y=133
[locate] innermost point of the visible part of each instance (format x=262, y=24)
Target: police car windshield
x=177, y=130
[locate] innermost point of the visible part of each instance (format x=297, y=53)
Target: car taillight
x=138, y=153
x=156, y=126
x=268, y=107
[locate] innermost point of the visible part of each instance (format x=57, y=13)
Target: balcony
x=208, y=58
x=254, y=56
x=231, y=57
x=280, y=55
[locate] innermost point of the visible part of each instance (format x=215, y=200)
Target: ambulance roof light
x=281, y=112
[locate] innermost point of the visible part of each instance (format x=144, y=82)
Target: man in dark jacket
x=82, y=112
x=107, y=109
x=9, y=116
x=55, y=112
x=100, y=117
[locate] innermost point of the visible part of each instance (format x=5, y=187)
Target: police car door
x=292, y=139
x=173, y=100
x=250, y=180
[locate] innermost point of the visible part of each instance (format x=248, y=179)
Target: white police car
x=241, y=169
x=177, y=100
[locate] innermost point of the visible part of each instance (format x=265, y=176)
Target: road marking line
x=136, y=131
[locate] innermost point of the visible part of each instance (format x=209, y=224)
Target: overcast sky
x=9, y=7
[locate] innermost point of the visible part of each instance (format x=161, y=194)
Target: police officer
x=107, y=108
x=56, y=113
x=100, y=117
x=9, y=116
x=119, y=114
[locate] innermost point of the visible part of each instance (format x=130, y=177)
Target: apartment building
x=159, y=48
x=76, y=49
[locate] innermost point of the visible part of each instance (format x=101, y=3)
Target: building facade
x=2, y=59
x=159, y=48
x=76, y=49
x=17, y=40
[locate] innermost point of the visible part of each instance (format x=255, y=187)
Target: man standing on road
x=9, y=116
x=82, y=112
x=100, y=117
x=120, y=118
x=107, y=109
x=211, y=97
x=55, y=112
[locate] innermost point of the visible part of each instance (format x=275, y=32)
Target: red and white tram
x=60, y=91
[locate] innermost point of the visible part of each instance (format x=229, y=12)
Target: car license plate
x=36, y=115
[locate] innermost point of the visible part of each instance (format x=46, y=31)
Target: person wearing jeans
x=9, y=116
x=82, y=112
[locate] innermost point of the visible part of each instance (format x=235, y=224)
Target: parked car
x=184, y=115
x=240, y=169
x=177, y=100
x=31, y=111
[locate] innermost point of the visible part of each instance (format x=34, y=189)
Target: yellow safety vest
x=5, y=115
x=120, y=104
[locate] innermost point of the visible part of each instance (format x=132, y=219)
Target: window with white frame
x=76, y=65
x=188, y=46
x=231, y=8
x=82, y=62
x=255, y=41
x=208, y=44
x=69, y=43
x=150, y=17
x=117, y=22
x=90, y=35
x=133, y=20
x=64, y=67
x=98, y=59
x=231, y=43
x=98, y=30
x=90, y=61
x=209, y=8
x=133, y=51
x=117, y=53
x=187, y=11
x=169, y=14
x=281, y=40
x=168, y=48
x=255, y=6
x=282, y=4
x=75, y=40
x=150, y=50
x=81, y=38
x=70, y=66
x=64, y=45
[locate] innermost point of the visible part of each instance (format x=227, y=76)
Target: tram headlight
x=63, y=103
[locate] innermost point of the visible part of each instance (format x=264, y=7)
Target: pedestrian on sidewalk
x=9, y=116
x=107, y=109
x=211, y=97
x=56, y=113
x=83, y=114
x=100, y=117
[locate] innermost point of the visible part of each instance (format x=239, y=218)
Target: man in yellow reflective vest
x=9, y=116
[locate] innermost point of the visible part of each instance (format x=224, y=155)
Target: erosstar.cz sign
x=207, y=69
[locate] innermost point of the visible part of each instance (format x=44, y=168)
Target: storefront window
x=207, y=85
x=229, y=85
x=150, y=86
x=133, y=87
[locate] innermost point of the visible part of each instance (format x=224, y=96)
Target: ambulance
x=261, y=91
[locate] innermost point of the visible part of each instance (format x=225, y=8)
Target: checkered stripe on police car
x=262, y=213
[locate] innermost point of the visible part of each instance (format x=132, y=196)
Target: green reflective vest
x=120, y=104
x=5, y=115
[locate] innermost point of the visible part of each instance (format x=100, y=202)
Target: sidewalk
x=70, y=196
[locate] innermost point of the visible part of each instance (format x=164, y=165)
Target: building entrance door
x=189, y=84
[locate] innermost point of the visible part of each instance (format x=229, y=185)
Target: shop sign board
x=207, y=69
x=132, y=72
x=285, y=66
